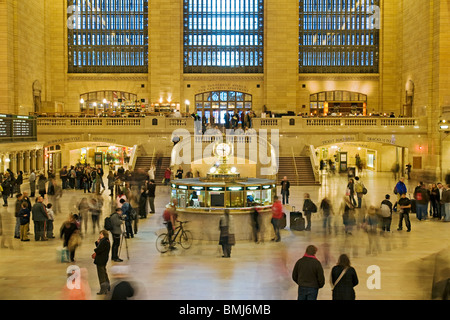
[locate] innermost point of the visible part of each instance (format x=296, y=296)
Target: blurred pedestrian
x=151, y=189
x=68, y=228
x=277, y=215
x=32, y=182
x=122, y=288
x=308, y=275
x=348, y=215
x=343, y=279
x=227, y=238
x=83, y=211
x=326, y=209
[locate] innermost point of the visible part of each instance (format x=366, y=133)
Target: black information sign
x=5, y=127
x=22, y=127
x=17, y=127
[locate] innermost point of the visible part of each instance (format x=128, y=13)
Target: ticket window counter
x=236, y=197
x=267, y=194
x=253, y=196
x=181, y=195
x=196, y=197
x=215, y=197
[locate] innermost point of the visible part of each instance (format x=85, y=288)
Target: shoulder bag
x=339, y=279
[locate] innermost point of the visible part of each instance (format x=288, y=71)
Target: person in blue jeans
x=422, y=199
x=308, y=275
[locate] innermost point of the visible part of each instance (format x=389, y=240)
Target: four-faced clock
x=223, y=150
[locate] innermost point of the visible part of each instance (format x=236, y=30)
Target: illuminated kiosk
x=202, y=201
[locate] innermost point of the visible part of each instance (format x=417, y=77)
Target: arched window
x=223, y=36
x=215, y=106
x=339, y=36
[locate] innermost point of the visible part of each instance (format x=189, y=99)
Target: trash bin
x=351, y=172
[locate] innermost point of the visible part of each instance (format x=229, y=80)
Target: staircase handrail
x=295, y=166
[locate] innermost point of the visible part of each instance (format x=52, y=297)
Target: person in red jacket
x=277, y=214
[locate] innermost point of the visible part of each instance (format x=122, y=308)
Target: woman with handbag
x=343, y=279
x=227, y=239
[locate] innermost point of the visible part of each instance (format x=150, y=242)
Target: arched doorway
x=362, y=156
x=215, y=106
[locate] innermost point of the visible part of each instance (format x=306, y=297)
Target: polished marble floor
x=409, y=263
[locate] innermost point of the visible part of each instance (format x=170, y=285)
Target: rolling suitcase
x=283, y=221
x=297, y=221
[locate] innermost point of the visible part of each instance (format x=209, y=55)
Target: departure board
x=5, y=127
x=22, y=127
x=17, y=127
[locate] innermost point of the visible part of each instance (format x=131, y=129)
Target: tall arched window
x=339, y=36
x=107, y=36
x=216, y=106
x=223, y=36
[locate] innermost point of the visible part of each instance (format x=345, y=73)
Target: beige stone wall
x=414, y=45
x=24, y=58
x=36, y=35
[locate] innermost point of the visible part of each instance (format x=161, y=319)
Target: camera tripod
x=123, y=238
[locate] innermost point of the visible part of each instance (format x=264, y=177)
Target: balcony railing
x=299, y=124
x=157, y=123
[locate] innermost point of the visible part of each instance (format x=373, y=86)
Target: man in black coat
x=151, y=190
x=285, y=185
x=40, y=217
x=308, y=275
x=101, y=256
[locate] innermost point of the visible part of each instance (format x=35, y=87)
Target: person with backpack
x=327, y=211
x=422, y=199
x=386, y=214
x=113, y=224
x=308, y=208
x=129, y=215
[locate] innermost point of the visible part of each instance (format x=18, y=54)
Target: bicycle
x=181, y=236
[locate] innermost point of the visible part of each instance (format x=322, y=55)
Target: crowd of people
x=132, y=198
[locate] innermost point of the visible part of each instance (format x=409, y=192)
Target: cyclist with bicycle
x=170, y=217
